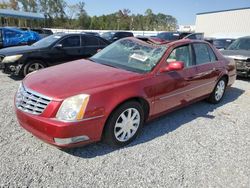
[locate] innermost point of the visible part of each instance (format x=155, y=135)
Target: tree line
x=60, y=14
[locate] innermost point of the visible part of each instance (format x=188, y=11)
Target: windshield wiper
x=91, y=60
x=110, y=65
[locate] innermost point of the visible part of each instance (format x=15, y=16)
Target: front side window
x=132, y=55
x=73, y=41
x=181, y=53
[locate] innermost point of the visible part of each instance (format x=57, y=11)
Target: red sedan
x=112, y=94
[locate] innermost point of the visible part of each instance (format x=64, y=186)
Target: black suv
x=52, y=50
x=114, y=36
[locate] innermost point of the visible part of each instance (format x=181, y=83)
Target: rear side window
x=203, y=53
x=90, y=41
x=211, y=54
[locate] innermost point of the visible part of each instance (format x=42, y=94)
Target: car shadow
x=161, y=126
x=16, y=78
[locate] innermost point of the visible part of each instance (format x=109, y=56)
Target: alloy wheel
x=34, y=67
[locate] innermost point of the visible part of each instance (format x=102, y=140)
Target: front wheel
x=218, y=91
x=33, y=66
x=124, y=124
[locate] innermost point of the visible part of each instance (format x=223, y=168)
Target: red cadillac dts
x=112, y=94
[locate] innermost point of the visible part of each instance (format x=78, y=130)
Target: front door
x=70, y=50
x=173, y=89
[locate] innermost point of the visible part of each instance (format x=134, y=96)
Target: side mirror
x=173, y=66
x=58, y=46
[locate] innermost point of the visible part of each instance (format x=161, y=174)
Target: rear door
x=90, y=45
x=173, y=89
x=207, y=68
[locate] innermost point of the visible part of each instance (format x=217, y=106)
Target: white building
x=232, y=23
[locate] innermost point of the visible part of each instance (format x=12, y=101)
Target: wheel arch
x=226, y=78
x=36, y=59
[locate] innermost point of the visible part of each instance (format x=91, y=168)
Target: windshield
x=240, y=44
x=169, y=36
x=46, y=42
x=130, y=55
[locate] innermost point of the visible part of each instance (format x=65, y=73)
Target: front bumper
x=242, y=67
x=11, y=68
x=50, y=130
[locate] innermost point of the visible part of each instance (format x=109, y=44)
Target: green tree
x=4, y=5
x=13, y=4
x=29, y=5
x=149, y=20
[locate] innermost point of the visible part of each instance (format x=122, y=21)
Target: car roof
x=72, y=34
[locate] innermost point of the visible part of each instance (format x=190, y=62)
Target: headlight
x=73, y=108
x=19, y=96
x=11, y=59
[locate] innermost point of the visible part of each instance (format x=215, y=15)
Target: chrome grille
x=30, y=101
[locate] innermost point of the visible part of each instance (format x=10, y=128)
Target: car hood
x=236, y=54
x=77, y=77
x=17, y=50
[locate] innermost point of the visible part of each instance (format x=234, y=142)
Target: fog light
x=73, y=140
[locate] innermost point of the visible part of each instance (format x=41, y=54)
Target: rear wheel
x=124, y=124
x=33, y=66
x=218, y=91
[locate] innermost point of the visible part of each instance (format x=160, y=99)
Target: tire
x=33, y=66
x=119, y=131
x=218, y=92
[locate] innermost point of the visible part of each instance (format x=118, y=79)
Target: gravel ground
x=202, y=145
